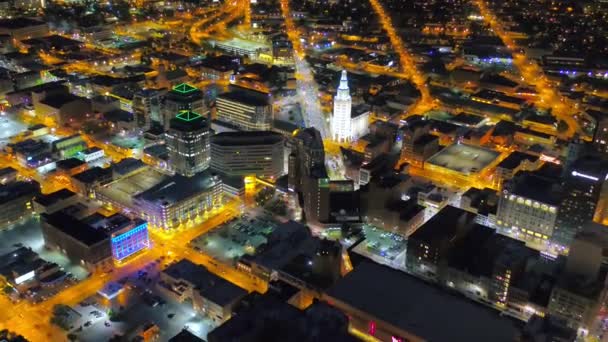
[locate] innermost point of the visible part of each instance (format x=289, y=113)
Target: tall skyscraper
x=584, y=200
x=188, y=142
x=307, y=153
x=341, y=120
x=183, y=97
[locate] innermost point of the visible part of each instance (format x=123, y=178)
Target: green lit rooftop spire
x=187, y=115
x=185, y=88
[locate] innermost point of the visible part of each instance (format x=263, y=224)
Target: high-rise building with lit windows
x=183, y=97
x=341, y=120
x=584, y=198
x=188, y=143
x=528, y=206
x=260, y=153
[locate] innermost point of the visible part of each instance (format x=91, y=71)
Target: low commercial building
x=79, y=241
x=211, y=295
x=179, y=199
x=95, y=241
x=296, y=257
x=85, y=182
x=69, y=146
x=24, y=28
x=23, y=269
x=395, y=306
x=260, y=153
x=16, y=201
x=7, y=175
x=265, y=315
x=50, y=203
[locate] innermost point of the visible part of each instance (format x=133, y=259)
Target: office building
x=341, y=120
x=259, y=153
x=245, y=109
x=183, y=97
x=211, y=296
x=528, y=206
x=188, y=143
x=307, y=153
x=584, y=198
x=179, y=200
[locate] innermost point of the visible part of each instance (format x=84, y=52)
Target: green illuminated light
x=188, y=115
x=185, y=88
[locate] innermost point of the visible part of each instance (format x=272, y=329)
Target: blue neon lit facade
x=130, y=241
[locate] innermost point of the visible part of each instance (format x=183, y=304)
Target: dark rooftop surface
x=58, y=100
x=185, y=336
x=10, y=191
x=176, y=188
x=18, y=23
x=244, y=97
x=269, y=319
x=541, y=189
x=93, y=174
x=210, y=286
x=515, y=159
x=70, y=163
x=424, y=310
x=446, y=224
x=75, y=228
x=54, y=197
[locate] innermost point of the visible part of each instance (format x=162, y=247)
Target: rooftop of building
x=245, y=97
x=74, y=227
x=248, y=138
x=14, y=190
x=127, y=166
x=414, y=306
x=216, y=289
x=465, y=159
x=267, y=318
x=532, y=186
x=481, y=249
x=119, y=115
x=177, y=188
x=466, y=119
x=19, y=23
x=54, y=197
x=188, y=121
x=185, y=336
x=359, y=110
x=515, y=159
x=287, y=241
x=59, y=100
x=492, y=95
x=448, y=223
x=93, y=174
x=5, y=171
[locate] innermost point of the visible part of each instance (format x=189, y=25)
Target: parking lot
x=235, y=238
x=136, y=305
x=382, y=246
